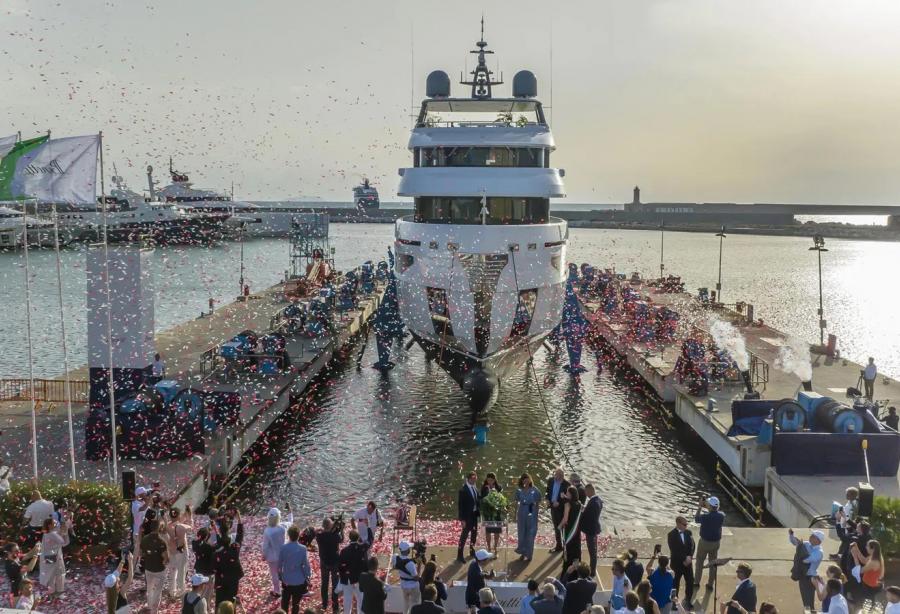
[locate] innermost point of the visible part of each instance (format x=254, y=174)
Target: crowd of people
x=163, y=535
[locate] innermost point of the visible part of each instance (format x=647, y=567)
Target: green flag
x=8, y=165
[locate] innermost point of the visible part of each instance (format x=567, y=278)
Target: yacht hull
x=480, y=379
x=478, y=298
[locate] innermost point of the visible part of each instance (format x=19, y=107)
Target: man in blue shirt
x=807, y=557
x=294, y=571
x=711, y=523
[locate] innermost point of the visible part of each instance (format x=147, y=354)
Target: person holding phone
x=662, y=580
x=744, y=597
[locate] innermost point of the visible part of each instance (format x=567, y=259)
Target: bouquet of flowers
x=494, y=506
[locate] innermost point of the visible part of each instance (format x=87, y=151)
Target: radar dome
x=524, y=84
x=437, y=85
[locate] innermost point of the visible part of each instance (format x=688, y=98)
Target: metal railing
x=745, y=501
x=44, y=390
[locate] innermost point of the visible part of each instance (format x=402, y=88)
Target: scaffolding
x=309, y=242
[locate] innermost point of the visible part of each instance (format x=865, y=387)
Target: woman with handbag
x=492, y=514
x=53, y=569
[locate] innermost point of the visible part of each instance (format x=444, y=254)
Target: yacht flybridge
x=481, y=264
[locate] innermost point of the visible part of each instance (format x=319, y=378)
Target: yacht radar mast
x=481, y=76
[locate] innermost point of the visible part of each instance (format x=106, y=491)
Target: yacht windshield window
x=481, y=156
x=467, y=210
x=501, y=112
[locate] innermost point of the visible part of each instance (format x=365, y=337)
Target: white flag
x=6, y=143
x=55, y=170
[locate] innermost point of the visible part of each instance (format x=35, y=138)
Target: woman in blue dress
x=529, y=500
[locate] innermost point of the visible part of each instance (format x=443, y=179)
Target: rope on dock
x=537, y=382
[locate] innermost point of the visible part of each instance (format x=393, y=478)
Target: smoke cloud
x=793, y=357
x=729, y=338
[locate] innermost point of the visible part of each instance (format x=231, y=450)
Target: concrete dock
x=792, y=500
x=768, y=551
x=189, y=350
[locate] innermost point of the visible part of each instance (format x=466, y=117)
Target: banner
x=51, y=170
x=6, y=143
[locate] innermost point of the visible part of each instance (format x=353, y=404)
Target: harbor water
x=405, y=435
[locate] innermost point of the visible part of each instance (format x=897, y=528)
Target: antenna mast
x=482, y=80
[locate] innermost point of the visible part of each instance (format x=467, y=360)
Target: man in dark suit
x=744, y=594
x=475, y=578
x=372, y=589
x=590, y=524
x=579, y=592
x=428, y=606
x=575, y=480
x=556, y=488
x=681, y=556
x=469, y=508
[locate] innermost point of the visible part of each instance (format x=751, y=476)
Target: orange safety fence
x=44, y=390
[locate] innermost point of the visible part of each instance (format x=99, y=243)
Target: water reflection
x=407, y=435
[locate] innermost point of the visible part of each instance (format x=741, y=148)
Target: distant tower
x=635, y=204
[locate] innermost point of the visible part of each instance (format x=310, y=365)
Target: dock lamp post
x=819, y=246
x=721, y=235
x=241, y=280
x=662, y=248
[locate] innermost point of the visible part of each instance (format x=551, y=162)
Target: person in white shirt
x=869, y=375
x=36, y=513
x=892, y=593
x=632, y=605
x=837, y=603
x=408, y=571
x=25, y=600
x=159, y=366
x=365, y=521
x=139, y=508
x=274, y=537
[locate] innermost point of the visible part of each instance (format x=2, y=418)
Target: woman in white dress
x=274, y=537
x=53, y=569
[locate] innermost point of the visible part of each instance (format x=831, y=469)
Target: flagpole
x=62, y=324
x=114, y=452
x=34, y=444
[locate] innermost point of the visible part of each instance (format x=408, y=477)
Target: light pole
x=721, y=235
x=662, y=248
x=241, y=282
x=819, y=246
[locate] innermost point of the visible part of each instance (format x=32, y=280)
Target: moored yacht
x=40, y=230
x=366, y=196
x=481, y=265
x=131, y=217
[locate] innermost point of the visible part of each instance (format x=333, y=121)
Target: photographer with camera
x=408, y=570
x=328, y=542
x=430, y=575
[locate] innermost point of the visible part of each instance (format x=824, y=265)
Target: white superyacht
x=481, y=265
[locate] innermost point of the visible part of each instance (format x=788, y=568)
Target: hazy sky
x=695, y=100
